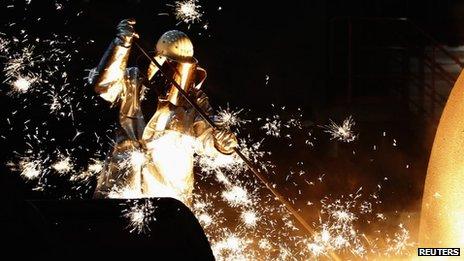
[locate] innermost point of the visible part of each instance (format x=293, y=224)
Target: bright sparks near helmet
x=188, y=11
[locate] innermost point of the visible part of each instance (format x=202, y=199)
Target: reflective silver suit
x=154, y=159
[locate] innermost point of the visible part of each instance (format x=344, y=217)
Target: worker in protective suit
x=155, y=159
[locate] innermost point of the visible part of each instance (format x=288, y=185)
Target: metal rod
x=247, y=161
x=250, y=165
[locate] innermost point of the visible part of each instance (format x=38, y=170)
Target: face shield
x=175, y=51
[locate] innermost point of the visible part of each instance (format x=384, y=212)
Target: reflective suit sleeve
x=201, y=129
x=108, y=77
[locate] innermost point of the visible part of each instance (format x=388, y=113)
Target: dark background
x=305, y=49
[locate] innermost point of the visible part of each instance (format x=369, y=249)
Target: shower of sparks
x=30, y=169
x=232, y=164
x=344, y=132
x=205, y=220
x=400, y=244
x=236, y=196
x=272, y=126
x=242, y=220
x=264, y=244
x=208, y=216
x=281, y=123
x=63, y=166
x=35, y=67
x=22, y=84
x=95, y=166
x=140, y=215
x=231, y=247
x=125, y=193
x=227, y=118
x=188, y=11
x=250, y=218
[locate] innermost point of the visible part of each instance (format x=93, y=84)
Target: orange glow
x=442, y=216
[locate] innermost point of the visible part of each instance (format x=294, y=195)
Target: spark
x=22, y=84
x=58, y=6
x=344, y=132
x=249, y=218
x=250, y=223
x=227, y=118
x=140, y=214
x=78, y=133
x=63, y=166
x=188, y=11
x=95, y=166
x=272, y=126
x=236, y=196
x=208, y=216
x=30, y=168
x=231, y=247
x=205, y=219
x=19, y=62
x=400, y=243
x=264, y=244
x=126, y=192
x=91, y=76
x=337, y=229
x=55, y=105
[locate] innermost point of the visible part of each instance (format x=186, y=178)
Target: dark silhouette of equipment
x=96, y=229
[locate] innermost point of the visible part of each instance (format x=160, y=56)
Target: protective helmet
x=175, y=45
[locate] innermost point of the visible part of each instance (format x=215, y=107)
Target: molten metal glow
x=442, y=213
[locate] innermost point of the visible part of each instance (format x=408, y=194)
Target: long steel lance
x=250, y=164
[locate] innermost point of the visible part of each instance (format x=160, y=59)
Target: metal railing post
x=350, y=61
